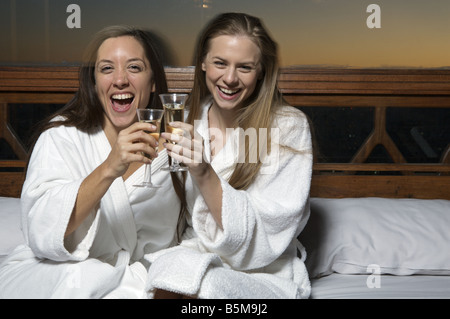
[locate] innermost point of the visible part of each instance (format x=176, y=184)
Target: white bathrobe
x=104, y=256
x=255, y=255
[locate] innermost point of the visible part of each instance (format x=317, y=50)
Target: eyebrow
x=240, y=63
x=128, y=61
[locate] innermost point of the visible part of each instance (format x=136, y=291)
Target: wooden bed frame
x=378, y=89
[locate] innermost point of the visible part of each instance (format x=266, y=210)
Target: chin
x=123, y=123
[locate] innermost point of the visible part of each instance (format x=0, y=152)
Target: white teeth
x=122, y=96
x=228, y=91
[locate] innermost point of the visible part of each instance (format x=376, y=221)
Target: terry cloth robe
x=256, y=253
x=104, y=256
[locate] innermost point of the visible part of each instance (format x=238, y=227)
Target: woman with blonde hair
x=249, y=156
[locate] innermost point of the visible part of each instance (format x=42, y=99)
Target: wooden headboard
x=376, y=89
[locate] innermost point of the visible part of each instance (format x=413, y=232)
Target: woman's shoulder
x=57, y=126
x=60, y=130
x=287, y=117
x=293, y=128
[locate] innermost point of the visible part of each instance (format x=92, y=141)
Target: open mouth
x=227, y=91
x=122, y=102
x=228, y=94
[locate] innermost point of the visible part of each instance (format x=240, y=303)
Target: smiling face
x=123, y=78
x=232, y=69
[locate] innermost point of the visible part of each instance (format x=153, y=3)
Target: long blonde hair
x=260, y=107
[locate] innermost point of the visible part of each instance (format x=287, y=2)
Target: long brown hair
x=259, y=109
x=85, y=112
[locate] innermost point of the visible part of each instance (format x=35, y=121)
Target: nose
x=120, y=79
x=230, y=77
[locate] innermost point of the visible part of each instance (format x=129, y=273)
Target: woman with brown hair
x=249, y=156
x=87, y=228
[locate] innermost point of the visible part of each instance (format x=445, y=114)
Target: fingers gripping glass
x=153, y=116
x=174, y=112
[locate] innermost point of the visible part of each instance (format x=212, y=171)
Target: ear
x=203, y=66
x=153, y=87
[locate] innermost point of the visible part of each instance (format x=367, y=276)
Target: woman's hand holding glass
x=186, y=148
x=126, y=150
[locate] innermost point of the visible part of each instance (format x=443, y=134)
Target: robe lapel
x=124, y=226
x=225, y=160
x=116, y=203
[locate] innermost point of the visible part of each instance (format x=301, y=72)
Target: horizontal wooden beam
x=304, y=81
x=423, y=187
x=13, y=163
x=325, y=186
x=374, y=167
x=328, y=167
x=35, y=97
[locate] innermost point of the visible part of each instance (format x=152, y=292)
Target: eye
x=246, y=68
x=135, y=68
x=106, y=69
x=219, y=64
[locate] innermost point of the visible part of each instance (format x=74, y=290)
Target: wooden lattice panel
x=302, y=87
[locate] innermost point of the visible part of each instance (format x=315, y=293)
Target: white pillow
x=10, y=225
x=398, y=236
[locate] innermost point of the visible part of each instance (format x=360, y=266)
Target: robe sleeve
x=55, y=172
x=260, y=223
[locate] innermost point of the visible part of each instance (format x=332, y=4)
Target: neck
x=220, y=118
x=111, y=132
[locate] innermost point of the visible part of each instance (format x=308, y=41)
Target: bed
x=378, y=248
x=357, y=247
x=10, y=226
x=377, y=229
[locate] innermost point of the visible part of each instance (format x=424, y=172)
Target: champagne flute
x=152, y=116
x=174, y=111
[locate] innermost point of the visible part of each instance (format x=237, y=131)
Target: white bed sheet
x=339, y=286
x=10, y=226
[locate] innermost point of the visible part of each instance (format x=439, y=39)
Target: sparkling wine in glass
x=152, y=116
x=174, y=112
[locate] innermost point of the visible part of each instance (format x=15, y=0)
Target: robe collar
x=116, y=203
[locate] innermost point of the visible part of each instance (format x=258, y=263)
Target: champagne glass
x=152, y=116
x=174, y=111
